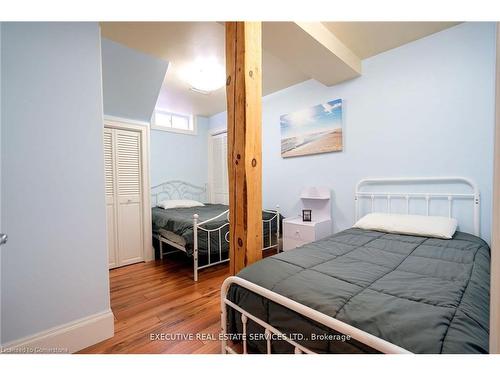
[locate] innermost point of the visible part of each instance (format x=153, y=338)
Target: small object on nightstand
x=306, y=215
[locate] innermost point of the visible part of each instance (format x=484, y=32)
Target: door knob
x=3, y=238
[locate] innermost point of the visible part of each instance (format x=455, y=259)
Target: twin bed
x=200, y=231
x=367, y=291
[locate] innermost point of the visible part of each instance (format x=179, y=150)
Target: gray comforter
x=424, y=294
x=180, y=222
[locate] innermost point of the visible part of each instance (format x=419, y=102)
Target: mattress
x=177, y=223
x=424, y=294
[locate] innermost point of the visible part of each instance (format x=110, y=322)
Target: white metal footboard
x=341, y=327
x=210, y=232
x=267, y=225
x=221, y=232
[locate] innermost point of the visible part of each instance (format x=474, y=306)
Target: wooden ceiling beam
x=244, y=132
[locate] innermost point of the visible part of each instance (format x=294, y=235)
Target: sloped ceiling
x=183, y=42
x=367, y=39
x=293, y=52
x=131, y=81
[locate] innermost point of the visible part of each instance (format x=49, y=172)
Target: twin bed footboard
x=210, y=244
x=271, y=332
x=222, y=234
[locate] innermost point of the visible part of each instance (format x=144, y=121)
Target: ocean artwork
x=314, y=130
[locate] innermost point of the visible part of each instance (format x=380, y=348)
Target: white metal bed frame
x=178, y=189
x=357, y=334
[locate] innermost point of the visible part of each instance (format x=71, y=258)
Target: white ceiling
x=367, y=39
x=183, y=42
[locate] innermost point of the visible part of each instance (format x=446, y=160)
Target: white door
x=129, y=196
x=109, y=162
x=124, y=196
x=218, y=169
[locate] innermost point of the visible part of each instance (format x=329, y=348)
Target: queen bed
x=200, y=231
x=368, y=291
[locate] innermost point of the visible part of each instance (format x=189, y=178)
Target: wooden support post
x=244, y=117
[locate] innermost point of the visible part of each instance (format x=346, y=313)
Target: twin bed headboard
x=177, y=189
x=456, y=197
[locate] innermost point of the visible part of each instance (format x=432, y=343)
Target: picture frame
x=314, y=130
x=306, y=215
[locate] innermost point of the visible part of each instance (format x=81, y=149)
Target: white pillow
x=417, y=225
x=179, y=203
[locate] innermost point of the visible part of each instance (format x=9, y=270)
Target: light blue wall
x=54, y=267
x=131, y=81
x=176, y=156
x=424, y=109
x=0, y=180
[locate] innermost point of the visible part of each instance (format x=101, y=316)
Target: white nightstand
x=297, y=232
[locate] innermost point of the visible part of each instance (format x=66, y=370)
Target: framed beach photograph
x=314, y=130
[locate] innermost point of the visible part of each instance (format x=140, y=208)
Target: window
x=174, y=122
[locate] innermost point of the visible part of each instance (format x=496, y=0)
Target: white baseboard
x=67, y=338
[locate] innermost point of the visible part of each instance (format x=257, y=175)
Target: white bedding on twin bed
x=415, y=225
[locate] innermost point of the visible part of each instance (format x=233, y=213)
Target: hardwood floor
x=160, y=297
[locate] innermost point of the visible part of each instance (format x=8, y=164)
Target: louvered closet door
x=219, y=176
x=110, y=198
x=128, y=173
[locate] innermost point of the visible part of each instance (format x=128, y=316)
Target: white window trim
x=192, y=120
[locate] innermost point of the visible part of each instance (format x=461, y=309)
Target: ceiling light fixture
x=204, y=75
x=203, y=92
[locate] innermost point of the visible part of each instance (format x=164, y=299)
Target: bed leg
x=277, y=228
x=161, y=248
x=195, y=247
x=223, y=317
x=195, y=266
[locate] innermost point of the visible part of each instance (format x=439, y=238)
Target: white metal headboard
x=363, y=193
x=177, y=189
